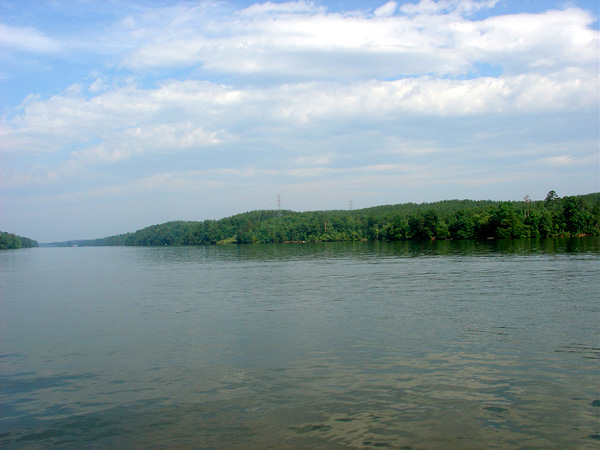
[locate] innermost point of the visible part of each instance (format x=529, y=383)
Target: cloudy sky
x=121, y=114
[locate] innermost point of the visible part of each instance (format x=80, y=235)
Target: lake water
x=441, y=345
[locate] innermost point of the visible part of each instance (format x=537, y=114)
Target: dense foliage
x=9, y=240
x=452, y=219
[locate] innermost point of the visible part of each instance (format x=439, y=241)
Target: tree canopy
x=9, y=240
x=450, y=219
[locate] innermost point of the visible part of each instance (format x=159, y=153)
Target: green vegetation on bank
x=451, y=219
x=9, y=240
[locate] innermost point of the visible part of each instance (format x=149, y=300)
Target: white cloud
x=302, y=40
x=97, y=86
x=568, y=160
x=386, y=10
x=162, y=117
x=300, y=6
x=127, y=122
x=26, y=39
x=147, y=139
x=536, y=42
x=249, y=177
x=429, y=96
x=431, y=7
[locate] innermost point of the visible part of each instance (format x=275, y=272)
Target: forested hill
x=9, y=240
x=452, y=219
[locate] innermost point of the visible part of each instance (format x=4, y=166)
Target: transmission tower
x=279, y=204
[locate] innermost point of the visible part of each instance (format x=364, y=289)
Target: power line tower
x=279, y=204
x=527, y=204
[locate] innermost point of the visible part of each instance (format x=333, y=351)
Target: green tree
x=12, y=241
x=551, y=197
x=423, y=227
x=507, y=222
x=573, y=219
x=462, y=227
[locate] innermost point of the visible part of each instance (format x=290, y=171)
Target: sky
x=120, y=114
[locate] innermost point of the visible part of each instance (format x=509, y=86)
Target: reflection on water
x=362, y=250
x=439, y=345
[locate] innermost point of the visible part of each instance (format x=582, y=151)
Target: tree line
x=450, y=219
x=9, y=240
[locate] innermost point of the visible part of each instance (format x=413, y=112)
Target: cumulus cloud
x=153, y=118
x=92, y=128
x=300, y=39
x=195, y=113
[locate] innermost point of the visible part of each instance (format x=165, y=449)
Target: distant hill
x=448, y=219
x=9, y=240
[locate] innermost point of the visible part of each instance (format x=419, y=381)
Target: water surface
x=447, y=345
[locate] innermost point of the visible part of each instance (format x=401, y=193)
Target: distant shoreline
x=572, y=216
x=9, y=241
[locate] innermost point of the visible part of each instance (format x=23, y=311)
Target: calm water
x=448, y=345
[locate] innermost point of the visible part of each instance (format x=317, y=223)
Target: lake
x=436, y=345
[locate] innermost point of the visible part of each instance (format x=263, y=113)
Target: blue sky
x=117, y=115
